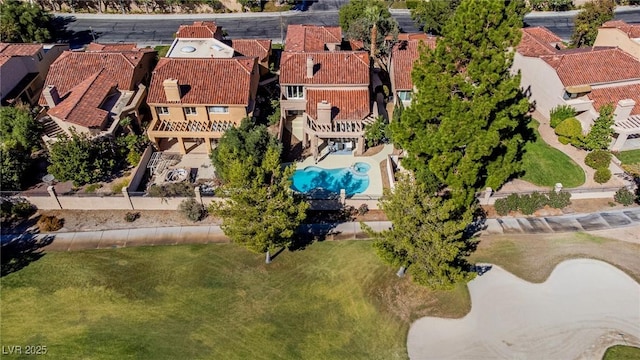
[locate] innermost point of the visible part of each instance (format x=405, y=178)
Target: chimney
x=324, y=112
x=51, y=96
x=171, y=90
x=309, y=67
x=623, y=110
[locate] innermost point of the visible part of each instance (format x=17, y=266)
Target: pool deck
x=334, y=161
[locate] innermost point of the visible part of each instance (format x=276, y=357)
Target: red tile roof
x=252, y=47
x=204, y=81
x=4, y=59
x=10, y=49
x=537, y=41
x=311, y=37
x=200, y=30
x=600, y=65
x=346, y=104
x=403, y=56
x=82, y=105
x=331, y=68
x=71, y=68
x=632, y=30
x=111, y=47
x=612, y=95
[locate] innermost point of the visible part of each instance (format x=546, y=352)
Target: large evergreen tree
x=22, y=22
x=427, y=237
x=17, y=124
x=371, y=22
x=432, y=15
x=467, y=124
x=599, y=137
x=261, y=212
x=589, y=19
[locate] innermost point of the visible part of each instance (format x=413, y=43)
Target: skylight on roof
x=188, y=49
x=216, y=47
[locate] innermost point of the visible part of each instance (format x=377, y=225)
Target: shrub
x=363, y=209
x=48, y=223
x=570, y=129
x=502, y=207
x=191, y=209
x=624, y=197
x=117, y=187
x=528, y=204
x=90, y=189
x=598, y=159
x=560, y=113
x=559, y=200
x=131, y=216
x=602, y=175
x=181, y=189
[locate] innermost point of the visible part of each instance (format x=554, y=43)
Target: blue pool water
x=323, y=182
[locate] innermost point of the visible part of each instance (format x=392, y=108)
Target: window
x=162, y=110
x=404, y=95
x=295, y=92
x=218, y=109
x=39, y=56
x=190, y=110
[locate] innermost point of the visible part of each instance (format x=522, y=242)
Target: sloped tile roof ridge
x=72, y=98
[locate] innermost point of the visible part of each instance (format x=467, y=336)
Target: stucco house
x=619, y=33
x=194, y=100
x=23, y=70
x=404, y=54
x=585, y=79
x=91, y=91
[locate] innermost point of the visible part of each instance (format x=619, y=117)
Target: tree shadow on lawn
x=18, y=251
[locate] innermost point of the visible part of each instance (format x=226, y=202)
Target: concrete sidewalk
x=176, y=235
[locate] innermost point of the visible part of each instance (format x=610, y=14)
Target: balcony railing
x=192, y=126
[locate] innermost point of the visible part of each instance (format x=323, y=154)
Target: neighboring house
x=92, y=91
x=313, y=38
x=195, y=100
x=584, y=79
x=403, y=55
x=23, y=69
x=258, y=48
x=619, y=33
x=203, y=39
x=330, y=91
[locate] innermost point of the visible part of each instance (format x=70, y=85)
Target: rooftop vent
x=188, y=49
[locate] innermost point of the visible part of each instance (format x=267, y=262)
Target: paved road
x=154, y=30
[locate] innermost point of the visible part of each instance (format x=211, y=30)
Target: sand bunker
x=578, y=312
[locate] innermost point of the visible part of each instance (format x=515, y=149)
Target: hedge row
x=528, y=204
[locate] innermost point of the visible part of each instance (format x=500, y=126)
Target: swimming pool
x=321, y=182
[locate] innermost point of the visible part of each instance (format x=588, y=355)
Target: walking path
x=176, y=235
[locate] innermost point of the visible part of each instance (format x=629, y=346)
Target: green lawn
x=629, y=157
x=620, y=352
x=333, y=300
x=545, y=166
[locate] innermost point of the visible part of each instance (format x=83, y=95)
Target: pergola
x=625, y=128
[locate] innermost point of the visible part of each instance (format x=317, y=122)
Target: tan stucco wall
x=615, y=37
x=540, y=81
x=94, y=203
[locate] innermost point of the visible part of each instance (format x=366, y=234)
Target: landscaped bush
x=602, y=175
x=559, y=200
x=528, y=204
x=117, y=187
x=181, y=189
x=570, y=129
x=48, y=223
x=624, y=197
x=131, y=216
x=90, y=189
x=598, y=159
x=191, y=209
x=560, y=113
x=363, y=209
x=15, y=210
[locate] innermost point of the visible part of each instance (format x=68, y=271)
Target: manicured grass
x=533, y=257
x=629, y=157
x=333, y=300
x=545, y=166
x=620, y=352
x=162, y=50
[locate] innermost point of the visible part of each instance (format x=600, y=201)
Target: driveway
x=582, y=309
